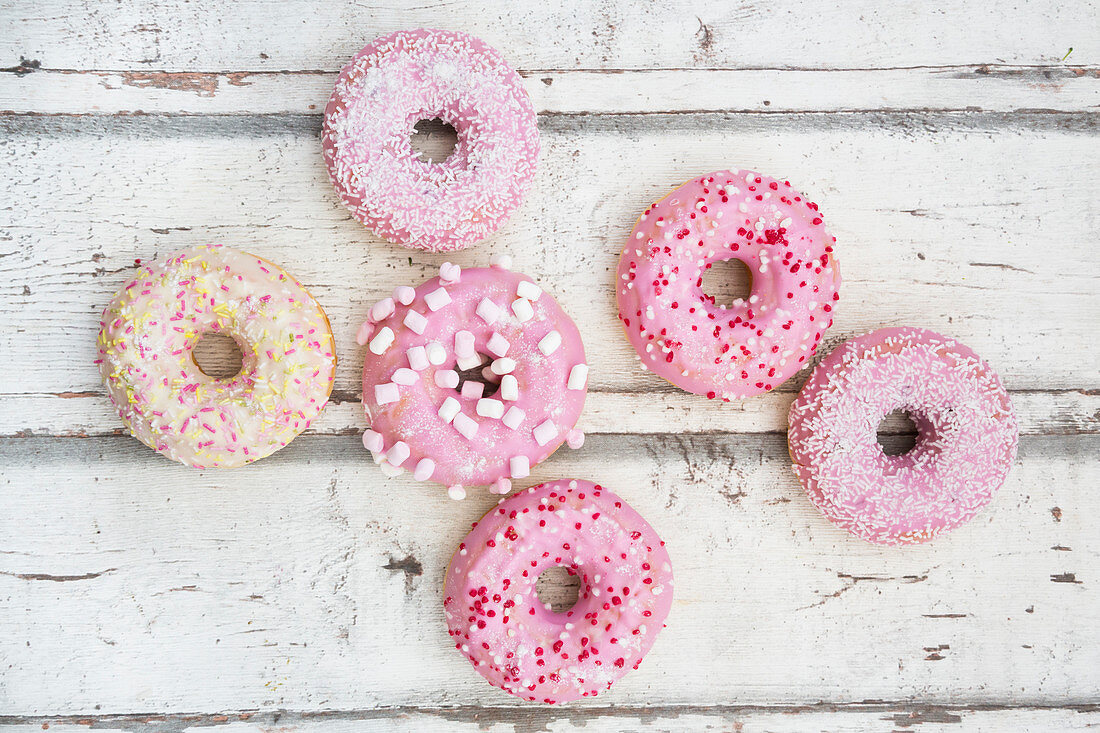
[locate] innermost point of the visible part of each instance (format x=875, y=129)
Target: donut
x=518, y=643
x=470, y=434
x=149, y=329
x=753, y=345
x=966, y=440
x=415, y=75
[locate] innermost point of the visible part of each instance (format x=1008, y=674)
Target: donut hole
x=218, y=355
x=433, y=140
x=482, y=375
x=726, y=281
x=897, y=433
x=560, y=587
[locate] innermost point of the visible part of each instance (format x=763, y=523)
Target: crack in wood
x=57, y=578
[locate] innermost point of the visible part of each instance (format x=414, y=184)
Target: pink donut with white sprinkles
x=752, y=346
x=966, y=443
x=146, y=339
x=460, y=433
x=416, y=75
x=518, y=643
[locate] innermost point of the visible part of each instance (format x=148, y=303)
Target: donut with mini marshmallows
x=749, y=348
x=410, y=76
x=421, y=417
x=518, y=643
x=967, y=435
x=146, y=339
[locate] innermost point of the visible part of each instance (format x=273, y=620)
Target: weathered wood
x=307, y=582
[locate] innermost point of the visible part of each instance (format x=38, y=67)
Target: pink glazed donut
x=966, y=440
x=752, y=346
x=410, y=76
x=459, y=435
x=518, y=643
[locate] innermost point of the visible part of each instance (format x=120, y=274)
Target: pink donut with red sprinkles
x=520, y=644
x=966, y=443
x=488, y=322
x=416, y=75
x=755, y=344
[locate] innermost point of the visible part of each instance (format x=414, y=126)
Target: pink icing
x=410, y=76
x=460, y=456
x=514, y=640
x=751, y=346
x=965, y=447
x=146, y=339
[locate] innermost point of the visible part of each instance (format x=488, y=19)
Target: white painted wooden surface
x=954, y=155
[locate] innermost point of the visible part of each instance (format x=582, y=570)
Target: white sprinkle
x=472, y=390
x=449, y=409
x=523, y=310
x=497, y=345
x=490, y=408
x=545, y=432
x=519, y=467
x=785, y=223
x=488, y=310
x=437, y=299
x=550, y=343
x=403, y=294
x=466, y=425
x=447, y=378
x=424, y=469
x=527, y=289
x=514, y=417
x=464, y=344
x=405, y=376
x=386, y=393
x=503, y=365
x=418, y=358
x=743, y=207
x=398, y=454
x=382, y=309
x=436, y=353
x=456, y=492
x=415, y=321
x=503, y=261
x=382, y=341
x=509, y=388
x=372, y=441
x=578, y=377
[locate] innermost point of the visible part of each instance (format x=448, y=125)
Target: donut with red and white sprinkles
x=966, y=443
x=520, y=644
x=471, y=432
x=753, y=345
x=150, y=328
x=422, y=74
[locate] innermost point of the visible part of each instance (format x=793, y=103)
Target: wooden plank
x=306, y=582
x=980, y=88
x=940, y=223
x=180, y=36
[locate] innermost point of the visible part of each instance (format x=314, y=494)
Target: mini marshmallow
x=574, y=438
x=545, y=432
x=464, y=343
x=497, y=345
x=527, y=289
x=386, y=393
x=488, y=310
x=514, y=417
x=449, y=409
x=446, y=378
x=502, y=260
x=382, y=309
x=456, y=492
x=404, y=295
x=405, y=376
x=437, y=299
x=500, y=486
x=372, y=441
x=398, y=454
x=503, y=365
x=424, y=469
x=449, y=273
x=490, y=408
x=578, y=377
x=382, y=341
x=436, y=353
x=488, y=376
x=472, y=390
x=468, y=362
x=389, y=470
x=364, y=333
x=466, y=425
x=523, y=310
x=519, y=467
x=415, y=321
x=418, y=358
x=550, y=343
x=509, y=388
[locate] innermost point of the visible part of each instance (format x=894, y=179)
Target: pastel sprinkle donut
x=518, y=643
x=966, y=442
x=410, y=76
x=753, y=345
x=469, y=434
x=146, y=339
